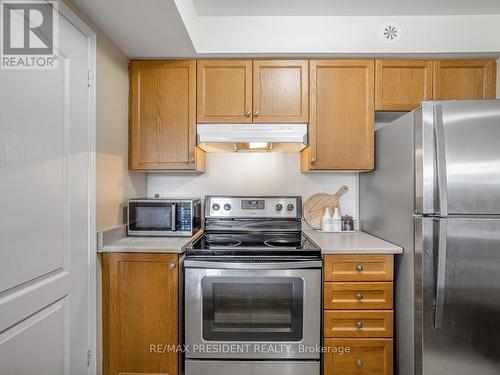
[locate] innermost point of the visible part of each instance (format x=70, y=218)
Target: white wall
x=256, y=174
x=115, y=183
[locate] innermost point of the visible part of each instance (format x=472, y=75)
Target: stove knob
x=227, y=206
x=216, y=207
x=289, y=207
x=279, y=207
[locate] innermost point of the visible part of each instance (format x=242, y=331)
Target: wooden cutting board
x=314, y=207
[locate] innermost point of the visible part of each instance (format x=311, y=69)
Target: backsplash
x=256, y=174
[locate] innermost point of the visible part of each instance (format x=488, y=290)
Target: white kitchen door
x=46, y=213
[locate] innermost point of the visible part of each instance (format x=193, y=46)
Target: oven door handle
x=193, y=263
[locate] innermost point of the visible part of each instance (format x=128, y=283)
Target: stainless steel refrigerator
x=436, y=193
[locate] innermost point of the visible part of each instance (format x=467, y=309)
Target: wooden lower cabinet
x=358, y=319
x=140, y=313
x=358, y=357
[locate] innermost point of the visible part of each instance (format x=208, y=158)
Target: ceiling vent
x=390, y=32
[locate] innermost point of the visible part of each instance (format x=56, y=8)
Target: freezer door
x=457, y=296
x=465, y=178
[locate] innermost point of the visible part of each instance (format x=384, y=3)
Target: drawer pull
x=358, y=362
x=359, y=296
x=359, y=268
x=359, y=324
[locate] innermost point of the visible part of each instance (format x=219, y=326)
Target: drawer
x=358, y=268
x=353, y=296
x=358, y=357
x=358, y=323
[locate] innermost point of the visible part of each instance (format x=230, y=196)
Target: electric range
x=252, y=290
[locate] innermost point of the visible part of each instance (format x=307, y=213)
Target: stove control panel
x=258, y=207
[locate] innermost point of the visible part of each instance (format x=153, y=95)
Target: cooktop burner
x=283, y=242
x=221, y=243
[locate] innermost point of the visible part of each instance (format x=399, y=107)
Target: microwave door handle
x=174, y=217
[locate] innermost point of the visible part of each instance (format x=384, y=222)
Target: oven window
x=252, y=309
x=145, y=216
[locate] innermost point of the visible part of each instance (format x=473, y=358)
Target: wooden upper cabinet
x=341, y=129
x=162, y=124
x=280, y=90
x=140, y=312
x=224, y=91
x=401, y=85
x=464, y=79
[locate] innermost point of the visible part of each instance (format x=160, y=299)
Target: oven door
x=152, y=218
x=252, y=313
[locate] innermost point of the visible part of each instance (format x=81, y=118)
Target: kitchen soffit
x=344, y=8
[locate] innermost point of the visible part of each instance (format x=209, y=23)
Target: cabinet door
x=358, y=357
x=341, y=130
x=224, y=91
x=464, y=79
x=140, y=312
x=163, y=116
x=280, y=91
x=402, y=85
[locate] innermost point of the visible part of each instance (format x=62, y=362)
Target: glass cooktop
x=245, y=244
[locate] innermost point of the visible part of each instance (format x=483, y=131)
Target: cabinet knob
x=256, y=113
x=359, y=324
x=359, y=296
x=248, y=113
x=191, y=159
x=359, y=268
x=313, y=160
x=172, y=265
x=358, y=362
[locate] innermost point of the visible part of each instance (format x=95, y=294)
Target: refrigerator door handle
x=441, y=160
x=441, y=275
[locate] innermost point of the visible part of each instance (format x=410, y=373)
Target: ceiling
x=145, y=28
x=344, y=8
x=273, y=28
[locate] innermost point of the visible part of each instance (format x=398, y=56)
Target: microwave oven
x=163, y=217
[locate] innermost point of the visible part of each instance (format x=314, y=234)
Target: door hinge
x=89, y=357
x=89, y=78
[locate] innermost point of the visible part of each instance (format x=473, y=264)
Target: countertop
x=351, y=243
x=115, y=240
x=172, y=245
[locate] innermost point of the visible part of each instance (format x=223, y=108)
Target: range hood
x=252, y=137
